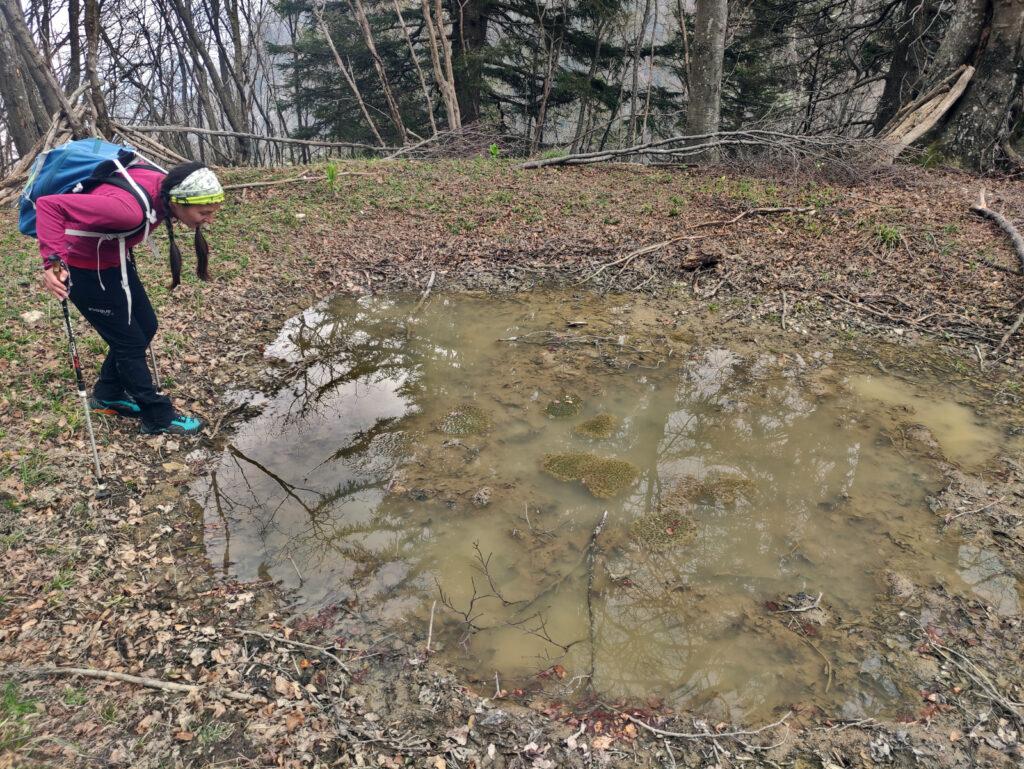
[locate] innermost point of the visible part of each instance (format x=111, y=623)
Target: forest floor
x=123, y=585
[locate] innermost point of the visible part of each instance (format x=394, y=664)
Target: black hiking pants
x=101, y=300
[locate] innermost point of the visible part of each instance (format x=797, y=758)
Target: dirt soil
x=234, y=674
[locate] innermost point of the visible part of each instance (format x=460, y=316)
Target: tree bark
x=37, y=67
x=703, y=112
x=21, y=122
x=979, y=122
x=553, y=47
x=962, y=38
x=74, y=46
x=419, y=69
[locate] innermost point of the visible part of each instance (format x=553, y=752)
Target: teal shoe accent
x=180, y=425
x=125, y=407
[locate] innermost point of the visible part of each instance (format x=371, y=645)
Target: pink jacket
x=105, y=209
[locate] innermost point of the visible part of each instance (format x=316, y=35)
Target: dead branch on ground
x=981, y=209
x=854, y=156
x=700, y=262
x=110, y=675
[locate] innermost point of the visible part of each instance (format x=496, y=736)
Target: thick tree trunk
x=963, y=37
x=37, y=68
x=707, y=55
x=469, y=39
x=21, y=122
x=978, y=124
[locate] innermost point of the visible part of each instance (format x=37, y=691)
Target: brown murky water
x=738, y=558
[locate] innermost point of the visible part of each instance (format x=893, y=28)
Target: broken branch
x=110, y=675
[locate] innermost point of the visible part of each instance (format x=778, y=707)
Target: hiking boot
x=122, y=407
x=180, y=425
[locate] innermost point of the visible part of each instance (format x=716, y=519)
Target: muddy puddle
x=585, y=498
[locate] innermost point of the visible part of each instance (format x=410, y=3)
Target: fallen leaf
x=286, y=688
x=184, y=736
x=601, y=743
x=294, y=720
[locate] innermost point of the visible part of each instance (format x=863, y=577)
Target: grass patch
x=888, y=236
x=35, y=469
x=214, y=732
x=15, y=713
x=74, y=698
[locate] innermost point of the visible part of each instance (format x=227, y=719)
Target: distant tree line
x=565, y=75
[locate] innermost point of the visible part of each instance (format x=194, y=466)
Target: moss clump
x=662, y=528
x=566, y=405
x=601, y=426
x=467, y=419
x=604, y=478
x=714, y=488
x=569, y=467
x=609, y=477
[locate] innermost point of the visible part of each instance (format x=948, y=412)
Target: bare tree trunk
x=443, y=74
x=554, y=49
x=902, y=81
x=92, y=37
x=229, y=105
x=650, y=75
x=585, y=99
x=416, y=63
x=378, y=65
x=21, y=122
x=703, y=112
x=635, y=86
x=38, y=70
x=318, y=10
x=74, y=46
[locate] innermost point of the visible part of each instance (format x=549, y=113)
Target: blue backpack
x=81, y=166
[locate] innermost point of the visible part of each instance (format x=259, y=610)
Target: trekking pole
x=156, y=371
x=101, y=485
